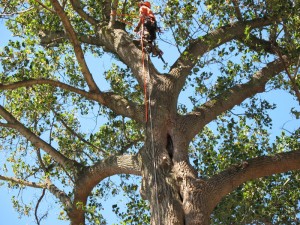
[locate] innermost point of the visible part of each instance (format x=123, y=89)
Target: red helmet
x=148, y=4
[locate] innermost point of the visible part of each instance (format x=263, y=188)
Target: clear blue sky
x=10, y=217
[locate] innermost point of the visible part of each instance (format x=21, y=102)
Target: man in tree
x=207, y=154
x=148, y=23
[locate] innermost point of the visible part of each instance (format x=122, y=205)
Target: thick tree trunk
x=77, y=215
x=176, y=194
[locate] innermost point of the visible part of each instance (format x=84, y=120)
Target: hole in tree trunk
x=169, y=146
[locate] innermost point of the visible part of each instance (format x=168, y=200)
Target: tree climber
x=147, y=19
x=149, y=28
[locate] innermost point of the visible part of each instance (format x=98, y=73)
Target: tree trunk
x=176, y=194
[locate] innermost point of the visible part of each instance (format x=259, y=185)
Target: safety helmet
x=148, y=4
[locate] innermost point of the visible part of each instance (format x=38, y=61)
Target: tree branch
x=37, y=206
x=37, y=141
x=76, y=134
x=8, y=125
x=237, y=10
x=113, y=13
x=115, y=102
x=229, y=179
x=61, y=195
x=51, y=38
x=188, y=59
x=232, y=97
x=257, y=44
x=122, y=164
x=44, y=6
x=76, y=44
x=78, y=8
x=15, y=13
x=291, y=77
x=23, y=182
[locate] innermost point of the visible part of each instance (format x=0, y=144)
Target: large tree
x=227, y=54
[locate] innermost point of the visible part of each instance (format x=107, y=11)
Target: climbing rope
x=153, y=149
x=148, y=108
x=143, y=71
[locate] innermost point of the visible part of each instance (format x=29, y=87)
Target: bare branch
x=23, y=182
x=62, y=196
x=76, y=44
x=16, y=13
x=291, y=77
x=50, y=38
x=40, y=160
x=8, y=125
x=37, y=206
x=257, y=44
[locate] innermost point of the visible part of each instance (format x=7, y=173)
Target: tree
x=228, y=53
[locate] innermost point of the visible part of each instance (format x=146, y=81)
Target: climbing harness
x=150, y=47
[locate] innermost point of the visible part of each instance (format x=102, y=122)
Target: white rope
x=152, y=146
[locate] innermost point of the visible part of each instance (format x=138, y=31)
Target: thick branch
x=123, y=164
x=35, y=140
x=115, y=41
x=188, y=59
x=228, y=180
x=78, y=8
x=232, y=97
x=76, y=44
x=61, y=195
x=118, y=42
x=23, y=182
x=116, y=103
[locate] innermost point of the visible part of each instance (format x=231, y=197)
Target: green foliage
x=137, y=209
x=270, y=199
